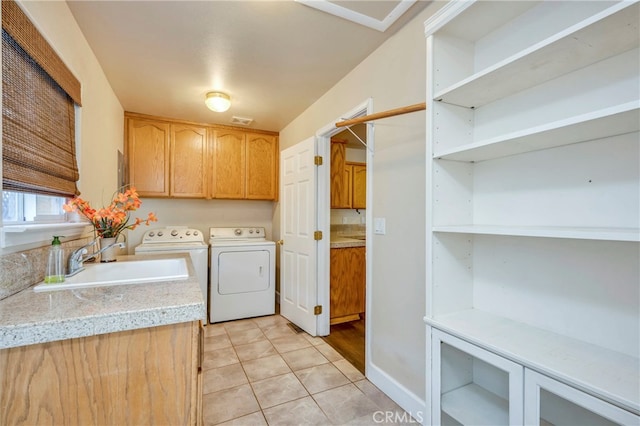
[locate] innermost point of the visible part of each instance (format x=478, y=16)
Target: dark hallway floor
x=348, y=339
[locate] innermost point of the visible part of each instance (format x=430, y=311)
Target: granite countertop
x=339, y=240
x=28, y=317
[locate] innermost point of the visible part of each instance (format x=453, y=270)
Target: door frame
x=323, y=138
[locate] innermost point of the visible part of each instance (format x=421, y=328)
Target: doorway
x=305, y=248
x=347, y=262
x=347, y=269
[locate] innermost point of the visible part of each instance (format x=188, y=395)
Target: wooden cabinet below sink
x=348, y=278
x=144, y=376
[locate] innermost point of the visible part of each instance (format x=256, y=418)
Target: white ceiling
x=274, y=58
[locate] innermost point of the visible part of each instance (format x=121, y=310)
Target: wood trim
x=346, y=318
x=384, y=114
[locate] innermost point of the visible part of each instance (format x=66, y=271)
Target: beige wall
x=393, y=76
x=101, y=117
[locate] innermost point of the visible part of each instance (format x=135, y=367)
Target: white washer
x=180, y=239
x=243, y=274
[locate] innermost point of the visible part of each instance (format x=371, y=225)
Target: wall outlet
x=379, y=226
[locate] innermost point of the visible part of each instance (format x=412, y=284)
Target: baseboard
x=402, y=396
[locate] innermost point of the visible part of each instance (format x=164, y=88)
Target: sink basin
x=119, y=273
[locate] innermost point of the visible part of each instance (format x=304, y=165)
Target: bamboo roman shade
x=38, y=112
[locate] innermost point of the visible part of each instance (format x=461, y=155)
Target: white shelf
x=607, y=122
x=474, y=405
x=556, y=148
x=613, y=31
x=608, y=234
x=606, y=374
x=468, y=20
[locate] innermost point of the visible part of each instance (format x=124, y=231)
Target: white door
x=298, y=255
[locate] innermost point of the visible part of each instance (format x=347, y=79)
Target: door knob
x=280, y=242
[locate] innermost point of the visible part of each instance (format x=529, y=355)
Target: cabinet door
x=262, y=167
x=472, y=386
x=188, y=161
x=148, y=154
x=359, y=191
x=348, y=184
x=144, y=377
x=347, y=292
x=229, y=159
x=547, y=401
x=339, y=186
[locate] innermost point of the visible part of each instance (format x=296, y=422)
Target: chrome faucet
x=76, y=261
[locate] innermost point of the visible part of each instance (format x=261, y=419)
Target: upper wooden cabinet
x=348, y=179
x=188, y=165
x=170, y=158
x=245, y=165
x=359, y=183
x=228, y=168
x=148, y=155
x=262, y=167
x=340, y=196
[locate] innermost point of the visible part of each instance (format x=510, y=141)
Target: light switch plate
x=379, y=226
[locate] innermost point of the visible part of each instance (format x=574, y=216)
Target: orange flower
x=110, y=221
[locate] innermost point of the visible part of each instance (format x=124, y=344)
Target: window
x=40, y=101
x=19, y=207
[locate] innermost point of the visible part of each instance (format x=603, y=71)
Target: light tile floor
x=259, y=371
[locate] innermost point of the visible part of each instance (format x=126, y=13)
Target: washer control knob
x=251, y=231
x=160, y=233
x=188, y=233
x=174, y=233
x=238, y=232
x=195, y=233
x=151, y=234
x=257, y=231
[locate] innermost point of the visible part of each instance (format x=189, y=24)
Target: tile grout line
x=292, y=371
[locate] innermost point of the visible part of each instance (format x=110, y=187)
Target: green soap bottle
x=55, y=264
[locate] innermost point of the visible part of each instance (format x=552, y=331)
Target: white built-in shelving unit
x=533, y=215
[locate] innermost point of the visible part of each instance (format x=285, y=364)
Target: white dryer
x=242, y=274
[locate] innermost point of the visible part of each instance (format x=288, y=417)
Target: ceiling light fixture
x=217, y=101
